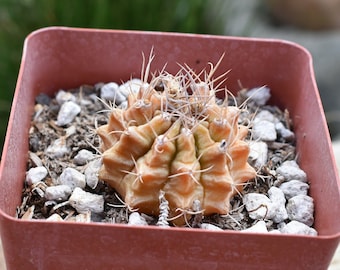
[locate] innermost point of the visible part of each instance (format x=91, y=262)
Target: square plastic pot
x=57, y=57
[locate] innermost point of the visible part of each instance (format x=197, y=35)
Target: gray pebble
x=84, y=201
x=36, y=174
x=72, y=178
x=301, y=208
x=290, y=171
x=259, y=95
x=67, y=113
x=294, y=188
x=135, y=219
x=82, y=157
x=58, y=193
x=295, y=227
x=264, y=130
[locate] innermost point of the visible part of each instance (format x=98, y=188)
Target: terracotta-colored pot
x=57, y=58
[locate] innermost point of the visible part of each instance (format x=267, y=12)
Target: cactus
x=177, y=141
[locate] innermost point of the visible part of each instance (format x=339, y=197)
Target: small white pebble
x=135, y=219
x=63, y=96
x=68, y=111
x=123, y=105
x=259, y=227
x=91, y=173
x=111, y=91
x=57, y=148
x=301, y=208
x=83, y=217
x=55, y=217
x=58, y=193
x=266, y=115
x=257, y=205
x=264, y=130
x=72, y=178
x=210, y=227
x=294, y=188
x=82, y=157
x=130, y=87
x=284, y=132
x=36, y=174
x=275, y=232
x=276, y=195
x=260, y=95
x=290, y=171
x=295, y=227
x=70, y=131
x=258, y=153
x=277, y=209
x=84, y=201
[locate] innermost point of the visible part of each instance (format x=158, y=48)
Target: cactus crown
x=173, y=138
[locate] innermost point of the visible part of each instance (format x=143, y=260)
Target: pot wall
x=57, y=58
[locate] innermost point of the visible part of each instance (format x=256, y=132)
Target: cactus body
x=177, y=141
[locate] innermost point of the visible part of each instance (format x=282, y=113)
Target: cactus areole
x=174, y=138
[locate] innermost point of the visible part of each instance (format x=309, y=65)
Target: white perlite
x=294, y=188
x=264, y=130
x=91, y=173
x=110, y=91
x=260, y=206
x=301, y=208
x=277, y=209
x=266, y=115
x=135, y=219
x=57, y=148
x=257, y=205
x=35, y=175
x=259, y=227
x=131, y=86
x=295, y=227
x=210, y=227
x=67, y=113
x=55, y=217
x=259, y=95
x=82, y=157
x=72, y=178
x=258, y=153
x=64, y=96
x=58, y=193
x=290, y=171
x=284, y=132
x=84, y=201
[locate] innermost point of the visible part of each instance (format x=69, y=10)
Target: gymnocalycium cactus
x=174, y=138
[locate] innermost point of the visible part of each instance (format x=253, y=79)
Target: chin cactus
x=175, y=139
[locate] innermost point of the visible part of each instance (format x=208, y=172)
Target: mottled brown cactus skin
x=183, y=144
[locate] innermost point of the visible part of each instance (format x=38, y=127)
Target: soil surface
x=81, y=134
